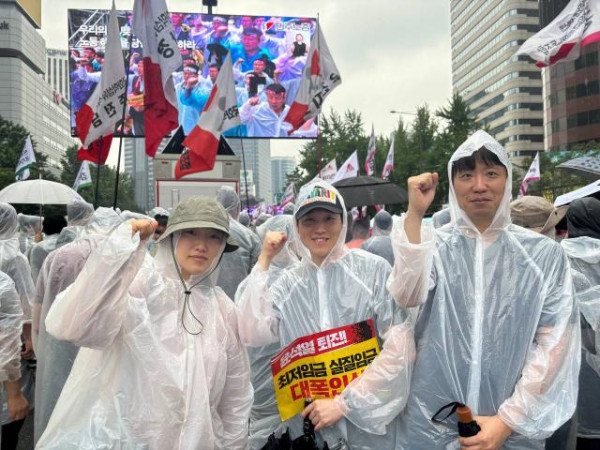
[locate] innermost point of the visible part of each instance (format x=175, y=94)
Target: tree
x=108, y=175
x=554, y=181
x=459, y=124
x=12, y=141
x=340, y=136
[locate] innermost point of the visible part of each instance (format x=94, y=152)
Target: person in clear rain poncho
x=28, y=227
x=264, y=415
x=236, y=266
x=11, y=317
x=331, y=287
x=161, y=365
x=79, y=213
x=53, y=226
x=55, y=358
x=380, y=244
x=14, y=264
x=583, y=249
x=497, y=327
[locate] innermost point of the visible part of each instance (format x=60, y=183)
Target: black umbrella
x=587, y=167
x=367, y=191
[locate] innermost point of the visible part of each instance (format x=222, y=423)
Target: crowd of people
x=158, y=331
x=268, y=56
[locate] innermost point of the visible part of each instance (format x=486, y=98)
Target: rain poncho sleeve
x=10, y=331
x=20, y=273
x=411, y=276
x=91, y=311
x=546, y=394
x=258, y=322
x=375, y=398
x=236, y=401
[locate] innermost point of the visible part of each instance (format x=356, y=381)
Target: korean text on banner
x=321, y=365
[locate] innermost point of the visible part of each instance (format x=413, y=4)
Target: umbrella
x=587, y=167
x=365, y=191
x=39, y=192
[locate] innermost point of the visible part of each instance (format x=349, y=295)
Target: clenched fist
x=272, y=245
x=144, y=227
x=421, y=192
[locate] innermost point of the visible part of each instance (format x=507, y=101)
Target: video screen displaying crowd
x=268, y=56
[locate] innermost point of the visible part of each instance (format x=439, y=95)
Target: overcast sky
x=391, y=54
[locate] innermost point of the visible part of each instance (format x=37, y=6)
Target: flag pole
x=123, y=116
x=96, y=195
x=245, y=174
x=319, y=142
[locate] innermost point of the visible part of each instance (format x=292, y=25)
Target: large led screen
x=269, y=54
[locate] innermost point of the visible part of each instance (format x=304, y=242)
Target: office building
x=504, y=91
x=257, y=156
x=25, y=97
x=280, y=167
x=571, y=93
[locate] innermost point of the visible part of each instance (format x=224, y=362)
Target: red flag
x=152, y=26
x=220, y=114
x=320, y=77
x=96, y=121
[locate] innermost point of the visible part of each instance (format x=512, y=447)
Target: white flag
x=389, y=162
x=104, y=108
x=220, y=114
x=348, y=169
x=84, y=177
x=329, y=171
x=533, y=174
x=370, y=161
x=319, y=78
x=26, y=160
x=562, y=40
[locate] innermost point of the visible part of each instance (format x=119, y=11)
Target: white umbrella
x=39, y=192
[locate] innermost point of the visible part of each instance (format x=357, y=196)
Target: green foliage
x=554, y=181
x=426, y=146
x=12, y=141
x=125, y=200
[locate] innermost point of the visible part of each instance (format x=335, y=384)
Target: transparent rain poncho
x=79, y=213
x=441, y=218
x=28, y=225
x=11, y=318
x=13, y=262
x=55, y=358
x=39, y=252
x=380, y=244
x=140, y=379
x=584, y=254
x=264, y=415
x=235, y=266
x=497, y=327
x=347, y=288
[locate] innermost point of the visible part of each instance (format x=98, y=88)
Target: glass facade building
x=571, y=93
x=504, y=91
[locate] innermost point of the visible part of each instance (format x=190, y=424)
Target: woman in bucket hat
x=161, y=364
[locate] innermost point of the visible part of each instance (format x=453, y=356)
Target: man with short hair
x=497, y=327
x=266, y=119
x=192, y=96
x=249, y=50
